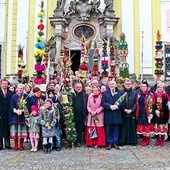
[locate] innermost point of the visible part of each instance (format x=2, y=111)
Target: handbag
x=93, y=132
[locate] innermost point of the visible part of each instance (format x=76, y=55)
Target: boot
x=50, y=146
x=21, y=146
x=146, y=142
x=142, y=142
x=15, y=144
x=157, y=143
x=162, y=140
x=45, y=148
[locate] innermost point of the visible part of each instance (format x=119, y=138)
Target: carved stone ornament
x=83, y=8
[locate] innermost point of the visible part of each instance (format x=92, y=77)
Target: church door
x=75, y=58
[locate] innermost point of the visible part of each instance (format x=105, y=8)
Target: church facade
x=139, y=20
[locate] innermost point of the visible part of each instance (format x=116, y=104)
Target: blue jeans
x=112, y=134
x=58, y=137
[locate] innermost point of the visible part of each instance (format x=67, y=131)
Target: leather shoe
x=109, y=147
x=8, y=147
x=79, y=144
x=116, y=147
x=58, y=149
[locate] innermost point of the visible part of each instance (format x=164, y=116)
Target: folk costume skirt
x=99, y=141
x=18, y=131
x=145, y=129
x=160, y=129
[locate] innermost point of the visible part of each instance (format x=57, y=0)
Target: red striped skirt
x=145, y=129
x=18, y=131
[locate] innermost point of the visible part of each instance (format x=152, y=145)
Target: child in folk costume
x=161, y=115
x=48, y=122
x=34, y=128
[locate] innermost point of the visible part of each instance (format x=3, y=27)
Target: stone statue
x=96, y=3
x=53, y=49
x=73, y=7
x=109, y=4
x=60, y=4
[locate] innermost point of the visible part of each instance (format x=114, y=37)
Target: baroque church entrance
x=75, y=19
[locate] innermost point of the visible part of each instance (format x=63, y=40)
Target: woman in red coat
x=95, y=119
x=161, y=115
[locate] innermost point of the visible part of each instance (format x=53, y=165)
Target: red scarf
x=95, y=96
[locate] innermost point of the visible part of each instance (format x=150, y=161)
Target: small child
x=59, y=117
x=48, y=122
x=34, y=128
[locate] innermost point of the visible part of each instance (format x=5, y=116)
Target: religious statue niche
x=84, y=30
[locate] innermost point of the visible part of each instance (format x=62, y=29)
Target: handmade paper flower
x=19, y=73
x=40, y=39
x=112, y=69
x=20, y=55
x=38, y=80
x=104, y=62
x=39, y=68
x=40, y=33
x=39, y=52
x=95, y=68
x=41, y=14
x=112, y=63
x=40, y=45
x=83, y=67
x=105, y=67
x=159, y=45
x=40, y=27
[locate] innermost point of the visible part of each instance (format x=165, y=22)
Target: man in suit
x=112, y=114
x=5, y=97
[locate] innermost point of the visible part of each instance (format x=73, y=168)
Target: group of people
x=121, y=115
x=116, y=115
x=30, y=113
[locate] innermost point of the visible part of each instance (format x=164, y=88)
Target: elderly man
x=112, y=114
x=79, y=99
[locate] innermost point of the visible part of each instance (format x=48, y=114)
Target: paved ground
x=84, y=158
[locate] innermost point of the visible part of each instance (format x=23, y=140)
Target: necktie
x=5, y=93
x=113, y=91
